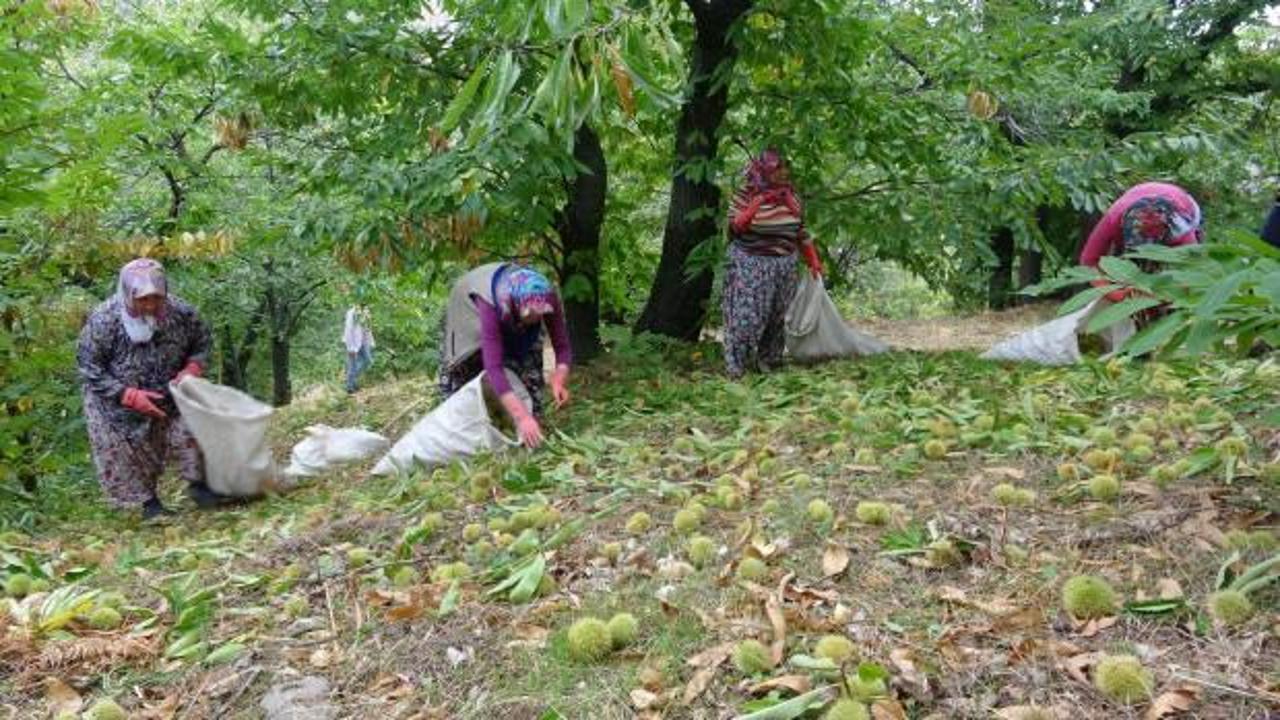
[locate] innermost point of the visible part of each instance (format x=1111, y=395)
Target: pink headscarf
x=140, y=278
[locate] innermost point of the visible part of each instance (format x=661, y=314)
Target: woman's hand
x=143, y=401
x=559, y=392
x=811, y=258
x=527, y=427
x=530, y=431
x=192, y=369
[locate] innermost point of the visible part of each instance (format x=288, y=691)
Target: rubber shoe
x=205, y=498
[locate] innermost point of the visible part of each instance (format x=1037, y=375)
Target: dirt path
x=969, y=332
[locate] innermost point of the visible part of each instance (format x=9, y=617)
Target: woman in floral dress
x=766, y=230
x=132, y=346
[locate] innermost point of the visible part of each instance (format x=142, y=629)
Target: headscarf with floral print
x=140, y=278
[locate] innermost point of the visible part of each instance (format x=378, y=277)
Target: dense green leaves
x=1220, y=296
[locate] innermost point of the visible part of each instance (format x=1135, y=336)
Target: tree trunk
x=281, y=389
x=177, y=201
x=1030, y=269
x=277, y=311
x=579, y=229
x=677, y=304
x=235, y=360
x=1002, y=245
x=231, y=374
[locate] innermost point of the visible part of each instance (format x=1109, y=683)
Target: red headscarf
x=761, y=177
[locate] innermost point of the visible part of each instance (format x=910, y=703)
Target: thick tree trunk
x=677, y=303
x=278, y=317
x=579, y=229
x=1002, y=245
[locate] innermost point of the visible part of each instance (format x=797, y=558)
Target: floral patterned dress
x=130, y=450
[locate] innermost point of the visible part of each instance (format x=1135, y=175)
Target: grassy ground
x=960, y=633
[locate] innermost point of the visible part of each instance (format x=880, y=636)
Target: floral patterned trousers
x=757, y=291
x=130, y=460
x=529, y=370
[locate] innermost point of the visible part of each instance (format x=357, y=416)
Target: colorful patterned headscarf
x=759, y=173
x=140, y=278
x=1157, y=220
x=525, y=289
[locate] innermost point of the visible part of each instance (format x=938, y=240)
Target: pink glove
x=558, y=390
x=1117, y=295
x=192, y=369
x=811, y=258
x=142, y=401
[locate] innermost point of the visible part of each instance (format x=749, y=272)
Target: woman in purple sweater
x=494, y=321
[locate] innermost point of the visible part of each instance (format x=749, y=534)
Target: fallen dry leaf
x=1169, y=589
x=1173, y=702
x=165, y=710
x=995, y=607
x=712, y=656
x=834, y=560
x=1008, y=472
x=642, y=699
x=888, y=709
x=1028, y=712
x=383, y=598
x=530, y=633
x=391, y=688
x=904, y=660
x=808, y=597
x=61, y=697
x=708, y=661
x=1079, y=666
x=866, y=469
x=322, y=658
x=1095, y=626
x=798, y=684
x=406, y=612
x=773, y=609
x=1021, y=620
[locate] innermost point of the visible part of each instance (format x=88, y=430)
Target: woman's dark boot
x=205, y=498
x=154, y=511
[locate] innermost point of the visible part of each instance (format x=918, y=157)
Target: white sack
x=231, y=429
x=815, y=330
x=458, y=428
x=1057, y=341
x=325, y=447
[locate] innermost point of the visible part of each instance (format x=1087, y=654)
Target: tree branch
x=209, y=154
x=926, y=81
x=67, y=73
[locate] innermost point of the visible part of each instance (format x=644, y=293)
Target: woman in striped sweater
x=766, y=230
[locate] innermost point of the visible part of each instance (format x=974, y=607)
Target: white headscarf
x=140, y=278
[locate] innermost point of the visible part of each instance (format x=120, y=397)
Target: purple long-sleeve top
x=496, y=337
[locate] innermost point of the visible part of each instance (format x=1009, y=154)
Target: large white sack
x=231, y=429
x=460, y=427
x=815, y=329
x=325, y=447
x=1057, y=341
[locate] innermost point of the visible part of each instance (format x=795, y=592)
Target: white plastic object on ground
x=815, y=329
x=1057, y=341
x=458, y=428
x=231, y=428
x=325, y=447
